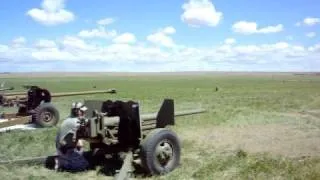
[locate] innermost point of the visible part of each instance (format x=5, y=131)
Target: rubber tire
x=148, y=148
x=43, y=108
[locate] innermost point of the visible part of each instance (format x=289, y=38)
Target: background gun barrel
x=14, y=97
x=9, y=98
x=15, y=93
x=82, y=93
x=23, y=95
x=6, y=89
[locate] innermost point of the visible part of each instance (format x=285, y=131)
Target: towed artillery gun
x=143, y=143
x=144, y=139
x=35, y=106
x=14, y=98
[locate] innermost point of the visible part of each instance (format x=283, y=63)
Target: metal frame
x=11, y=119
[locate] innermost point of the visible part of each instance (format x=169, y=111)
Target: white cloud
x=53, y=54
x=200, y=13
x=315, y=48
x=308, y=21
x=99, y=32
x=53, y=5
x=230, y=41
x=19, y=40
x=249, y=49
x=245, y=27
x=128, y=53
x=311, y=34
x=125, y=38
x=52, y=13
x=74, y=43
x=162, y=38
x=122, y=52
x=3, y=48
x=72, y=48
x=44, y=43
x=169, y=30
x=281, y=45
x=271, y=29
x=105, y=21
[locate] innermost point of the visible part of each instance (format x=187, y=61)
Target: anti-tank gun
x=139, y=141
x=34, y=106
x=41, y=94
x=118, y=127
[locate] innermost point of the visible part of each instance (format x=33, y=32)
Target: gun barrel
x=82, y=93
x=23, y=95
x=14, y=97
x=6, y=89
x=15, y=94
x=108, y=121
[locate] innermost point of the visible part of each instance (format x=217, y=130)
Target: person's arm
x=80, y=145
x=68, y=143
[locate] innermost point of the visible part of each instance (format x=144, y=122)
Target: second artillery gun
x=34, y=106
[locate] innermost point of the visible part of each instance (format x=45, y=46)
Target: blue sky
x=118, y=35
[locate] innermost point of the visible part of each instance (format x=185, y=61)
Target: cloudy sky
x=159, y=35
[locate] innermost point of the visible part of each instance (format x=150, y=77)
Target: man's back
x=69, y=157
x=66, y=136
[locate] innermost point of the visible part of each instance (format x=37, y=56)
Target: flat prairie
x=257, y=125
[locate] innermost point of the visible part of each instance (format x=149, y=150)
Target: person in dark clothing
x=69, y=148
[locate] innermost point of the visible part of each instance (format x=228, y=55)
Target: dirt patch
x=287, y=139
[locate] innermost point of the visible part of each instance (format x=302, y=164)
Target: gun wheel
x=160, y=151
x=46, y=115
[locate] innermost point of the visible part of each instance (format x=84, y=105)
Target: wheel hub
x=46, y=116
x=164, y=153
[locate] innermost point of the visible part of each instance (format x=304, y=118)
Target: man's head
x=78, y=109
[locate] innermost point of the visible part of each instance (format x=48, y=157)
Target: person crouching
x=70, y=149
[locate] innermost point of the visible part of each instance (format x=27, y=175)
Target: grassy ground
x=256, y=127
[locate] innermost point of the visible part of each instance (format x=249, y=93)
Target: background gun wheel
x=46, y=115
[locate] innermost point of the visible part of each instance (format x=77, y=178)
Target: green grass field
x=257, y=126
